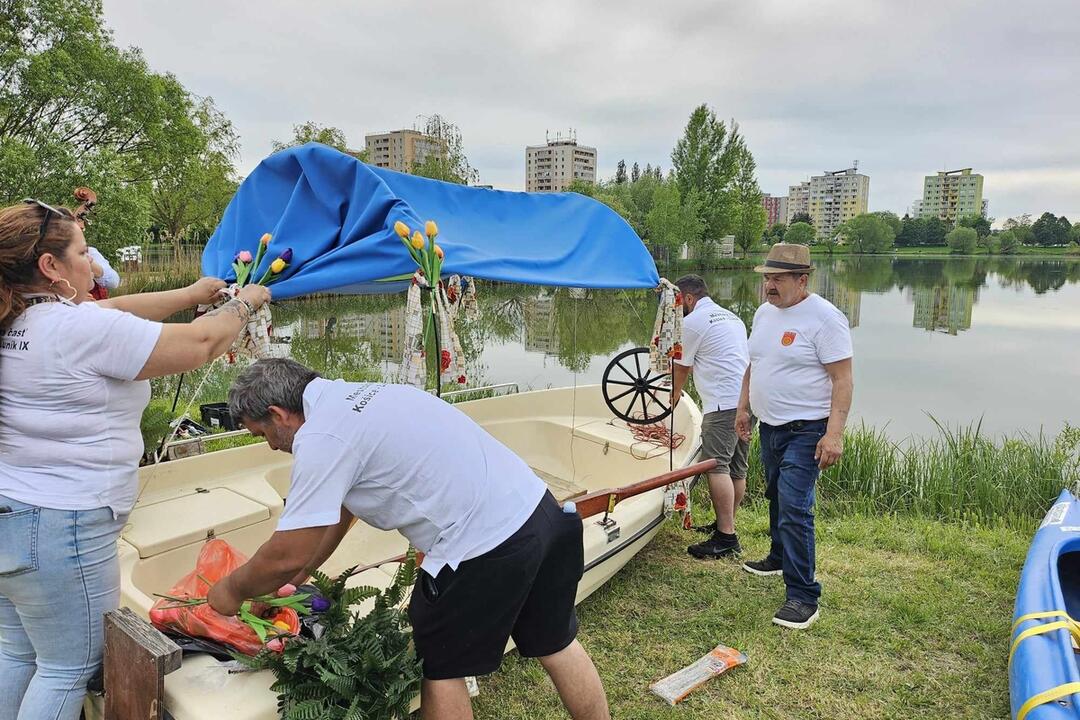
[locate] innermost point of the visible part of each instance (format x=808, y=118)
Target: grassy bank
x=944, y=251
x=915, y=621
x=958, y=475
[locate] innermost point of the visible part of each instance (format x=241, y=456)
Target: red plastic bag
x=216, y=560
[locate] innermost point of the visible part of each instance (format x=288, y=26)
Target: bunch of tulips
x=244, y=263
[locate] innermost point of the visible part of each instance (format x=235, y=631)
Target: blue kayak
x=1044, y=680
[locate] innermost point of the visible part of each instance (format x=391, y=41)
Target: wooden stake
x=137, y=659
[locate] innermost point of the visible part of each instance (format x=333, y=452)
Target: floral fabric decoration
x=666, y=344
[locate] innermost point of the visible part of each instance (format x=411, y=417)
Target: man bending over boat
x=501, y=559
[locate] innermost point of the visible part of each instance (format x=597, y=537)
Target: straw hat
x=786, y=257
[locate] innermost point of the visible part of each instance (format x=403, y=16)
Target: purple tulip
x=287, y=255
x=319, y=604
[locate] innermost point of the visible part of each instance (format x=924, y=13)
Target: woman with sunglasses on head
x=73, y=386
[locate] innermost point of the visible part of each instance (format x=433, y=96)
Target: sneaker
x=705, y=529
x=764, y=567
x=796, y=615
x=716, y=547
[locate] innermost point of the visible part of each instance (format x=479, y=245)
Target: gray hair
x=276, y=381
x=692, y=285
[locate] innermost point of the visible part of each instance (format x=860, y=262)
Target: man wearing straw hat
x=799, y=387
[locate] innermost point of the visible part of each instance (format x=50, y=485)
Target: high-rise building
x=775, y=209
x=916, y=208
x=402, y=150
x=836, y=197
x=798, y=201
x=553, y=166
x=952, y=194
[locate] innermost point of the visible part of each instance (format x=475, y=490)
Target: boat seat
x=158, y=527
x=615, y=435
x=561, y=488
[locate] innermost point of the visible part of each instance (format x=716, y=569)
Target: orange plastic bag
x=216, y=560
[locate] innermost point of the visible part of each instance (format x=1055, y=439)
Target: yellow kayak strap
x=1046, y=696
x=1067, y=623
x=1038, y=616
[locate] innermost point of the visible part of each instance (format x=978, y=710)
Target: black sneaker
x=796, y=615
x=716, y=547
x=764, y=567
x=705, y=529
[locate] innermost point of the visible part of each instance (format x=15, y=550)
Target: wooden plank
x=137, y=659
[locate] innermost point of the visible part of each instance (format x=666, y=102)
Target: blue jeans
x=59, y=575
x=787, y=452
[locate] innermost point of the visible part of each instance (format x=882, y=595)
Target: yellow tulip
x=277, y=266
x=417, y=240
x=401, y=229
x=439, y=252
x=265, y=239
x=431, y=229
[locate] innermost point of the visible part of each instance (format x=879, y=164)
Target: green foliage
x=452, y=165
x=936, y=230
x=1050, y=230
x=362, y=667
x=707, y=159
x=978, y=223
x=800, y=233
x=313, y=132
x=889, y=218
x=868, y=233
x=803, y=217
x=671, y=223
x=962, y=240
x=1008, y=242
x=912, y=232
x=776, y=233
x=750, y=215
x=77, y=110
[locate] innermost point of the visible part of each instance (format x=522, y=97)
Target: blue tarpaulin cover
x=337, y=215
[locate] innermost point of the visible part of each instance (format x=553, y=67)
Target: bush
x=1008, y=243
x=800, y=233
x=868, y=233
x=962, y=240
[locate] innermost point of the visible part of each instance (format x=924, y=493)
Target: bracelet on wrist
x=248, y=305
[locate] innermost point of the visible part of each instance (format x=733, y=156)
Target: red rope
x=657, y=434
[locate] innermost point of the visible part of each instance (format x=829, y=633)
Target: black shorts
x=525, y=588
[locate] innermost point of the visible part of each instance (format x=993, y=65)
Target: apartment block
x=775, y=208
x=798, y=201
x=836, y=197
x=553, y=166
x=952, y=194
x=402, y=150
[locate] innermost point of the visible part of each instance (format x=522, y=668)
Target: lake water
x=964, y=340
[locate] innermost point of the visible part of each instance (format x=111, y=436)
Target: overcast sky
x=904, y=87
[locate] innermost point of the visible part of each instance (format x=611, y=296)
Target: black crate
x=216, y=415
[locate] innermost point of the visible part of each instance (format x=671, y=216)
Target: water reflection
x=1014, y=310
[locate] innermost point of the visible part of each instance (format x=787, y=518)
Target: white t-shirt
x=714, y=343
x=788, y=350
x=70, y=408
x=401, y=459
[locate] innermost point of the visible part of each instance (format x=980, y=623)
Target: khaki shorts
x=719, y=441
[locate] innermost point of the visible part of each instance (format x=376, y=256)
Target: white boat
x=568, y=436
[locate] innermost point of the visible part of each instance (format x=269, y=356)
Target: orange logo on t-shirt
x=789, y=337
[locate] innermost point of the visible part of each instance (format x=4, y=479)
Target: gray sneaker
x=796, y=615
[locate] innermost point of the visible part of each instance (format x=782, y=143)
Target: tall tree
x=706, y=159
x=912, y=232
x=962, y=240
x=453, y=166
x=890, y=219
x=672, y=222
x=620, y=173
x=978, y=223
x=750, y=215
x=936, y=230
x=802, y=217
x=77, y=110
x=635, y=173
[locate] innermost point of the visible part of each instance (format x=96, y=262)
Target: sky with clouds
x=906, y=87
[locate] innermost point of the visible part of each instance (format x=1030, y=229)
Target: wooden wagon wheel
x=633, y=392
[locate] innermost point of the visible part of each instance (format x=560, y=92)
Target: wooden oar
x=605, y=500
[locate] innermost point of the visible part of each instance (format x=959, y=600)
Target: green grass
x=944, y=251
x=915, y=622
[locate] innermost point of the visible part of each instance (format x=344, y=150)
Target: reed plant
x=960, y=474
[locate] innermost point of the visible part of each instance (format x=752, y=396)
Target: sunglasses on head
x=49, y=212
